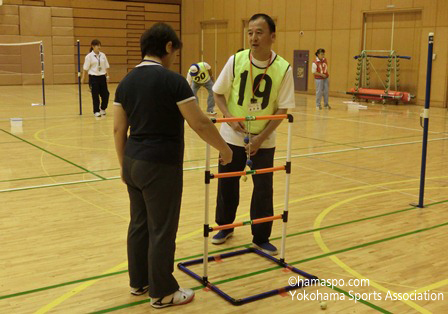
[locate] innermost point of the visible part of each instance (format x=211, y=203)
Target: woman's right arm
x=206, y=130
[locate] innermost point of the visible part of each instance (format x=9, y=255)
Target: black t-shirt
x=150, y=95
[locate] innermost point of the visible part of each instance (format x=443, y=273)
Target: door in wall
x=300, y=70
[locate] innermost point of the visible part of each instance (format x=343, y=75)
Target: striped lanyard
x=251, y=75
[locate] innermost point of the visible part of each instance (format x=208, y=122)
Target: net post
x=42, y=71
x=426, y=120
x=79, y=77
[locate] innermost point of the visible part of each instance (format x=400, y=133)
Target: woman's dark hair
x=265, y=17
x=319, y=51
x=94, y=42
x=153, y=41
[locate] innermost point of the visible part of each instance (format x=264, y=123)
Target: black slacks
x=155, y=192
x=99, y=89
x=262, y=196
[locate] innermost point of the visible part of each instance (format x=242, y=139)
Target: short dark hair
x=265, y=17
x=95, y=42
x=153, y=41
x=319, y=51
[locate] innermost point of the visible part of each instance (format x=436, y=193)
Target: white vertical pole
x=288, y=161
x=206, y=218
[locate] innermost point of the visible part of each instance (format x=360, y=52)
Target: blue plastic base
x=183, y=266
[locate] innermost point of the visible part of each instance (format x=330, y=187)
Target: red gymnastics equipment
x=204, y=280
x=380, y=94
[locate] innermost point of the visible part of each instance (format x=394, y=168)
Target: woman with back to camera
x=153, y=102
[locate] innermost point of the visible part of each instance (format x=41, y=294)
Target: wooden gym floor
x=64, y=212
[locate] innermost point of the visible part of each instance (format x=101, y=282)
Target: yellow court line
x=77, y=289
x=324, y=247
x=198, y=231
x=432, y=286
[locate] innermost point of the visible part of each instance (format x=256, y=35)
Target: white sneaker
x=97, y=114
x=180, y=297
x=139, y=291
x=103, y=112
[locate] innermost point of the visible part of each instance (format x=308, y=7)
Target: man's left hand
x=255, y=143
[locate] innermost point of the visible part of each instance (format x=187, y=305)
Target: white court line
x=365, y=122
x=216, y=165
x=49, y=185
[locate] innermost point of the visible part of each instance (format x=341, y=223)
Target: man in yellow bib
x=200, y=75
x=257, y=82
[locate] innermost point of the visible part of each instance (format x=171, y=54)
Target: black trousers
x=99, y=88
x=262, y=196
x=155, y=192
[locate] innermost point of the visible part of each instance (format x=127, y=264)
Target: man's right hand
x=236, y=126
x=226, y=156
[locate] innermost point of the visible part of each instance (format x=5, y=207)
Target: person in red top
x=320, y=71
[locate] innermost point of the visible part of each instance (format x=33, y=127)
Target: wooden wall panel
x=308, y=14
x=355, y=48
x=442, y=13
x=341, y=14
x=62, y=22
x=339, y=62
x=9, y=9
x=429, y=12
x=439, y=66
x=292, y=18
x=324, y=14
x=279, y=10
x=9, y=20
x=62, y=31
x=61, y=12
x=9, y=29
x=35, y=21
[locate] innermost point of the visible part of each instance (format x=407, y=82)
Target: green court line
x=54, y=155
x=295, y=263
x=43, y=177
x=223, y=250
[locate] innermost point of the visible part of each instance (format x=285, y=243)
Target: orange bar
x=243, y=173
x=268, y=117
x=267, y=170
x=250, y=222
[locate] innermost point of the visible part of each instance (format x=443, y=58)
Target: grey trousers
x=210, y=100
x=321, y=89
x=155, y=192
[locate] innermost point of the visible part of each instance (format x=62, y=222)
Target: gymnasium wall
x=59, y=23
x=337, y=26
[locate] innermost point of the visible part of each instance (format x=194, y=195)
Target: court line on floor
x=221, y=250
x=57, y=301
x=54, y=155
x=43, y=177
x=202, y=167
x=369, y=123
x=319, y=240
x=38, y=138
x=328, y=254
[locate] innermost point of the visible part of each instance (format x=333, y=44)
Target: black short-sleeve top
x=150, y=95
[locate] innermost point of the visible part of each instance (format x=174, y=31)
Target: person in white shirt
x=200, y=75
x=97, y=67
x=255, y=81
